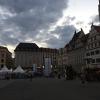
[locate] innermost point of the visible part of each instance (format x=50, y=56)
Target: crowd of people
x=67, y=73
x=85, y=75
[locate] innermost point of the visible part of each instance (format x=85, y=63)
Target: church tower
x=99, y=10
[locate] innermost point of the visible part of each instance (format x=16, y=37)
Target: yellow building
x=5, y=57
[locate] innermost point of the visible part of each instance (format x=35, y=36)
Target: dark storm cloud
x=96, y=19
x=65, y=34
x=24, y=19
x=20, y=6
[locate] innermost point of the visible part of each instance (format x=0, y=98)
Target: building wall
x=5, y=57
x=74, y=51
x=26, y=59
x=76, y=58
x=60, y=57
x=93, y=48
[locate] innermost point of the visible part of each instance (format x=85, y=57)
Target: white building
x=93, y=47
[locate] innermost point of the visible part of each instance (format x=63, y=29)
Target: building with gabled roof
x=74, y=51
x=93, y=47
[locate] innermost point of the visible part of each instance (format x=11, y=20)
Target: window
x=98, y=60
x=87, y=47
x=88, y=61
x=93, y=60
x=95, y=44
x=97, y=52
x=2, y=65
x=2, y=60
x=91, y=39
x=2, y=55
x=92, y=53
x=91, y=45
x=87, y=54
x=95, y=38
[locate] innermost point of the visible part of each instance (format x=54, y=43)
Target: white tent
x=10, y=70
x=4, y=70
x=19, y=70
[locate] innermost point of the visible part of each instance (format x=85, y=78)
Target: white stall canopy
x=19, y=70
x=4, y=70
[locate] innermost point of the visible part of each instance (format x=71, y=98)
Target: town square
x=49, y=50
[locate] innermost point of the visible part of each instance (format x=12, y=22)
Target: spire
x=99, y=10
x=92, y=24
x=81, y=29
x=75, y=32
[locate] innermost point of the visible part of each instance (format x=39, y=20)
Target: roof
x=1, y=47
x=19, y=70
x=76, y=35
x=5, y=48
x=97, y=28
x=67, y=45
x=48, y=50
x=87, y=35
x=33, y=47
x=26, y=47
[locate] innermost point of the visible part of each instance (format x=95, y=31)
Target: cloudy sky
x=48, y=23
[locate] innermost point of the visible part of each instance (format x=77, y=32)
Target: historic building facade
x=27, y=54
x=93, y=47
x=75, y=51
x=60, y=57
x=5, y=57
x=63, y=57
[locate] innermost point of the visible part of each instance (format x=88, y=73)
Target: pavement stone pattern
x=49, y=89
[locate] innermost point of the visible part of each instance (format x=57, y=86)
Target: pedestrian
x=59, y=75
x=30, y=76
x=82, y=78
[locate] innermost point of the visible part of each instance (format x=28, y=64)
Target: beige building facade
x=5, y=57
x=27, y=54
x=93, y=47
x=74, y=51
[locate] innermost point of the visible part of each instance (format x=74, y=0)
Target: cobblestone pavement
x=49, y=89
